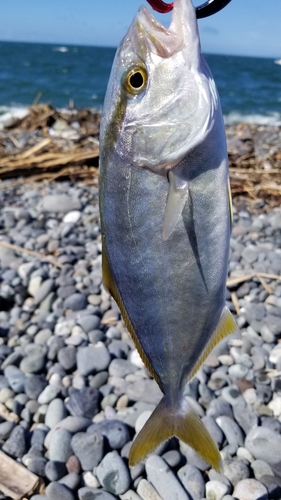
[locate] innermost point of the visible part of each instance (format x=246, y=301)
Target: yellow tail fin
x=165, y=423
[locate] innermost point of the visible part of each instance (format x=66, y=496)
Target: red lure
x=161, y=6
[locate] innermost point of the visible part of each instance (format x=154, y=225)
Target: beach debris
x=44, y=143
x=15, y=480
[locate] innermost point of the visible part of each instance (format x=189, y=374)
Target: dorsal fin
x=110, y=286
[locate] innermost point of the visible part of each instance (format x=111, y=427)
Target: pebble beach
x=73, y=389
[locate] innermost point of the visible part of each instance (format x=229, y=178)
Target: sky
x=244, y=27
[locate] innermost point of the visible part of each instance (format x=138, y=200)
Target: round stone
x=116, y=433
x=264, y=444
x=113, y=474
x=88, y=448
x=250, y=489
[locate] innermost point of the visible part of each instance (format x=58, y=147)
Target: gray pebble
x=192, y=480
x=72, y=424
x=236, y=470
x=164, y=481
x=121, y=368
x=55, y=413
x=192, y=457
x=232, y=395
x=88, y=448
x=67, y=357
x=92, y=359
x=43, y=336
x=87, y=493
x=16, y=378
x=48, y=394
x=32, y=363
x=36, y=465
x=58, y=203
x=213, y=429
x=43, y=291
x=84, y=402
x=113, y=474
x=59, y=448
x=55, y=344
x=70, y=480
x=57, y=491
x=172, y=457
x=144, y=390
x=273, y=323
x=218, y=407
x=116, y=433
x=264, y=444
x=6, y=429
x=261, y=468
x=76, y=302
x=15, y=446
x=39, y=497
x=98, y=380
x=55, y=470
x=246, y=417
x=232, y=433
x=89, y=323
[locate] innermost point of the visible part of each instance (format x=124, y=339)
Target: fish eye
x=135, y=80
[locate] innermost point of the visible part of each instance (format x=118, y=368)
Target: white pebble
x=245, y=454
x=215, y=490
x=90, y=480
x=72, y=217
x=146, y=491
x=142, y=419
x=136, y=359
x=250, y=396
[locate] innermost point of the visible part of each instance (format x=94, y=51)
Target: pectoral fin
x=176, y=199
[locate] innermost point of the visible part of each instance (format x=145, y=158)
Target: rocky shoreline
x=73, y=390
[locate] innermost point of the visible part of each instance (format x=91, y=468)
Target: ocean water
x=250, y=88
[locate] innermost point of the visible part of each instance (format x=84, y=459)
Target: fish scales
x=166, y=272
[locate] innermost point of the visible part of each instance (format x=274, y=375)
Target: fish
x=165, y=209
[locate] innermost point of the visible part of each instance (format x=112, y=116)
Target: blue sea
x=250, y=87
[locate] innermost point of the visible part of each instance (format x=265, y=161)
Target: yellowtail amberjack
x=166, y=214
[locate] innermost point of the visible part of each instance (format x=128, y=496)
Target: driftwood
x=15, y=480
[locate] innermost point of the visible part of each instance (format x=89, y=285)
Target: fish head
x=161, y=98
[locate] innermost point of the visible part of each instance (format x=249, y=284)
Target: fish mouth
x=162, y=41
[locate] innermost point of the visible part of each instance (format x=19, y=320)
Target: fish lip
x=162, y=41
x=181, y=35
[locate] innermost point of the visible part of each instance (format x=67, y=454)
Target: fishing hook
x=205, y=10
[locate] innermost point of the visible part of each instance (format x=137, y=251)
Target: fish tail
x=165, y=423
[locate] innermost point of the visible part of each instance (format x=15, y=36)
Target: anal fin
x=176, y=200
x=226, y=326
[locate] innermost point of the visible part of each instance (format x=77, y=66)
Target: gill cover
x=175, y=111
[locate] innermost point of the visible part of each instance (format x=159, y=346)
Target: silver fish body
x=165, y=216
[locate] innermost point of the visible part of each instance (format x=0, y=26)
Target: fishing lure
x=205, y=10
